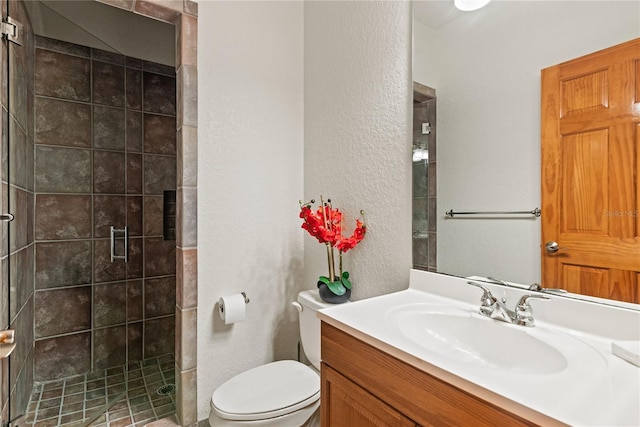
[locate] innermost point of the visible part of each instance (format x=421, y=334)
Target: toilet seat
x=268, y=391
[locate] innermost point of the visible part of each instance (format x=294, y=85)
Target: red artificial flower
x=345, y=244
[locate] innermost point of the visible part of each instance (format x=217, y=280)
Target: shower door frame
x=183, y=15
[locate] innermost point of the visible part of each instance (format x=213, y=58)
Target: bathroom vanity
x=425, y=356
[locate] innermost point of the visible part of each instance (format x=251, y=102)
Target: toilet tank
x=310, y=303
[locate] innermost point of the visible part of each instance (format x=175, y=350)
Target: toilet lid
x=270, y=390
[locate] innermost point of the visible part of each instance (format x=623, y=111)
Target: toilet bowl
x=285, y=393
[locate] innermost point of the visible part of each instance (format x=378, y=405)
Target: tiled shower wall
x=105, y=151
x=17, y=198
x=424, y=189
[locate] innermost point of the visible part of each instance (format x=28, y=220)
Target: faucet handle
x=523, y=312
x=488, y=301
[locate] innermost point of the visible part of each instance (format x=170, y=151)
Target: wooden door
x=590, y=173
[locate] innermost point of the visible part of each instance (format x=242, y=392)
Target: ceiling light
x=468, y=5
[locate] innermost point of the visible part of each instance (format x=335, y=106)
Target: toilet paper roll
x=232, y=308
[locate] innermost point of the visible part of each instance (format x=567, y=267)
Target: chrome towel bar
x=536, y=212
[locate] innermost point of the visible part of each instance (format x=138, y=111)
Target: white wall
x=485, y=67
x=357, y=135
x=250, y=131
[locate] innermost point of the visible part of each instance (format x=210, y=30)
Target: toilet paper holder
x=246, y=300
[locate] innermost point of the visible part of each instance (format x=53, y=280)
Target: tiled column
x=186, y=301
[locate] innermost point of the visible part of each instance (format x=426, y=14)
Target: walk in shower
x=89, y=172
x=424, y=178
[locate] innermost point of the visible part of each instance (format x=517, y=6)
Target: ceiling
x=435, y=13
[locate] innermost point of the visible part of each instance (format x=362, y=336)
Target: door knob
x=553, y=247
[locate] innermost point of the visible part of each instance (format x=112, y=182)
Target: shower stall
x=90, y=154
x=424, y=178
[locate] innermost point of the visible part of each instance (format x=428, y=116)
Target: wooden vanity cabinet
x=364, y=386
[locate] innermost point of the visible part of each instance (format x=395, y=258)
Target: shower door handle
x=123, y=232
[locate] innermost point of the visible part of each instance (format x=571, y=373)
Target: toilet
x=285, y=393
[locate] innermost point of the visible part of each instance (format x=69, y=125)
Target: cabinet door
x=345, y=404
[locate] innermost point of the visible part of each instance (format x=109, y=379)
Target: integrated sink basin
x=466, y=336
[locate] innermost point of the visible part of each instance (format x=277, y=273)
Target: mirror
x=485, y=67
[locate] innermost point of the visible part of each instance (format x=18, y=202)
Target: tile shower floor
x=137, y=397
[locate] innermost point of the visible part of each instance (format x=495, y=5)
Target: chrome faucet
x=493, y=308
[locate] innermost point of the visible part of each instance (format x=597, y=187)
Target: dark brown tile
x=134, y=173
x=134, y=332
x=18, y=95
x=110, y=347
x=61, y=217
x=106, y=56
x=108, y=128
x=104, y=270
x=134, y=215
x=23, y=325
x=432, y=213
x=109, y=304
x=108, y=211
x=63, y=263
x=18, y=147
x=62, y=47
x=156, y=68
x=60, y=311
x=432, y=179
x=134, y=300
x=133, y=62
x=108, y=84
x=134, y=89
x=159, y=336
x=62, y=357
x=159, y=95
x=62, y=76
x=159, y=174
x=134, y=131
x=159, y=134
x=21, y=275
x=108, y=172
x=160, y=257
x=20, y=229
x=135, y=266
x=153, y=215
x=61, y=122
x=63, y=170
x=432, y=250
x=419, y=221
x=159, y=296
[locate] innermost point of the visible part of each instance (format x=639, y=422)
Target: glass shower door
x=17, y=252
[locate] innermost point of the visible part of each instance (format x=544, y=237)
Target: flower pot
x=330, y=297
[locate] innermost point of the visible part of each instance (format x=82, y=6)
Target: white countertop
x=596, y=389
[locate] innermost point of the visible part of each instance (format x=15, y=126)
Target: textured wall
x=357, y=150
x=249, y=182
x=489, y=119
x=358, y=100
